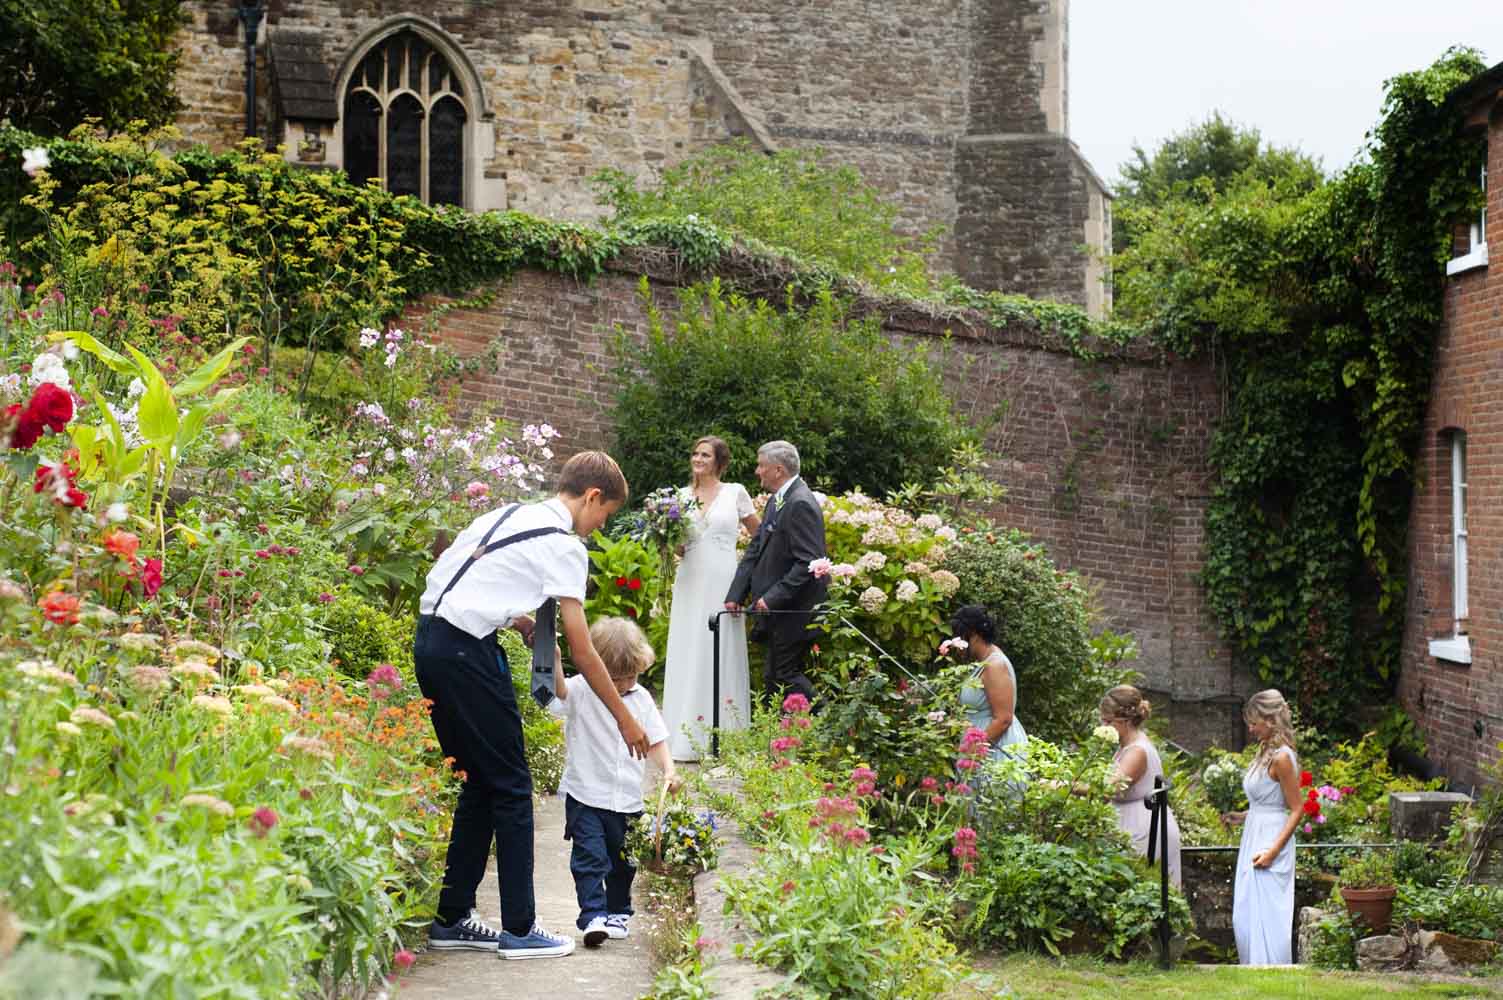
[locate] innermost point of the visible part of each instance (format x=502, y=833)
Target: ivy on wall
x=1321, y=308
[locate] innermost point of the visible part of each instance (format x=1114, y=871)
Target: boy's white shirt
x=599, y=771
x=513, y=580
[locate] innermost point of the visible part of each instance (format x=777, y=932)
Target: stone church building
x=955, y=108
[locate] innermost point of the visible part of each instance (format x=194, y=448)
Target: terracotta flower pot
x=1374, y=906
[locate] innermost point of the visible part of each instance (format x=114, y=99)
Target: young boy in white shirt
x=499, y=571
x=602, y=783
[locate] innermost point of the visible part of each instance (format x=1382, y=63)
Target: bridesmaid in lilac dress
x=1263, y=896
x=1135, y=766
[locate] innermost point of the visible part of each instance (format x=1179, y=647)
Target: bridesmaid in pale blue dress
x=1263, y=895
x=990, y=698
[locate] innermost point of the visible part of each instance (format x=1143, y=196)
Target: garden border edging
x=730, y=977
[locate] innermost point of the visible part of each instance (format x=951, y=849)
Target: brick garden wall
x=1104, y=461
x=1459, y=706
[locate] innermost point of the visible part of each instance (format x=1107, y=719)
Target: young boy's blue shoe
x=537, y=943
x=470, y=933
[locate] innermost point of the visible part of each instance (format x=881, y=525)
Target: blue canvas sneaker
x=471, y=933
x=537, y=943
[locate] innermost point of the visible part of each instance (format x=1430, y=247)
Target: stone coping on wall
x=759, y=274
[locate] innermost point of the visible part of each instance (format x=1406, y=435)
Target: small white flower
x=369, y=337
x=70, y=351
x=136, y=388
x=115, y=513
x=1106, y=733
x=35, y=159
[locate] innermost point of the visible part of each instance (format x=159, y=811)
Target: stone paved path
x=618, y=970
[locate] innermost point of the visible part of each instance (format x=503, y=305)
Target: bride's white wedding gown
x=704, y=576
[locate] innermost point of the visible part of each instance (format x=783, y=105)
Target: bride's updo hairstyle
x=1126, y=703
x=719, y=449
x=973, y=619
x=1269, y=706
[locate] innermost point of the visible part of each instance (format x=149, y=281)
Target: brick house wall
x=1104, y=461
x=915, y=94
x=1459, y=705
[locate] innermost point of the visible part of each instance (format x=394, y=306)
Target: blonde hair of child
x=622, y=646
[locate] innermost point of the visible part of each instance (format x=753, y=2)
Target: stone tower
x=955, y=108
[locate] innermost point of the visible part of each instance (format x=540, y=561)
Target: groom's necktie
x=771, y=512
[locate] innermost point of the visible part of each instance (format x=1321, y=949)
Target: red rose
x=1312, y=808
x=151, y=577
x=620, y=581
x=1306, y=779
x=51, y=406
x=25, y=430
x=634, y=584
x=632, y=612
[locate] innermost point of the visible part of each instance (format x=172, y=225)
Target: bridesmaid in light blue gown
x=990, y=697
x=1263, y=895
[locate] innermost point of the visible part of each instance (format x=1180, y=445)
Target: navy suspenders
x=486, y=547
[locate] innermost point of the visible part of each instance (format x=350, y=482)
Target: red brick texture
x=1104, y=461
x=1459, y=707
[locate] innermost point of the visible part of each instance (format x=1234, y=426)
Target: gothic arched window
x=404, y=120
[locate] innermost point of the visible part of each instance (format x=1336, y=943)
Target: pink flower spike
x=402, y=960
x=795, y=704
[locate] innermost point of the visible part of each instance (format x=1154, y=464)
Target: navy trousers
x=478, y=724
x=602, y=872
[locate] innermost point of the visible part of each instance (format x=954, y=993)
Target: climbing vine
x=1321, y=309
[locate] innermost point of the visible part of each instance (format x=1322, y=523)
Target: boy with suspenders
x=507, y=565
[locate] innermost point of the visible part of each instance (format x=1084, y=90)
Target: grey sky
x=1306, y=73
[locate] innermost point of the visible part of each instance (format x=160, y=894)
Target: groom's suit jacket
x=776, y=564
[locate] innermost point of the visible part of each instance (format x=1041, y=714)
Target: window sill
x=1477, y=258
x=1456, y=649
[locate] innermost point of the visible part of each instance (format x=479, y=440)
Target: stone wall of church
x=1103, y=461
x=889, y=88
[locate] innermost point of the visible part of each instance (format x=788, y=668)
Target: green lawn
x=1083, y=979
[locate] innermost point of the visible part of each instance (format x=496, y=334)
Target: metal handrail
x=714, y=625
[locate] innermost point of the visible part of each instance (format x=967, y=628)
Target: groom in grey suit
x=774, y=573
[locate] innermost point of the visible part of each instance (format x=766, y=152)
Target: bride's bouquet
x=663, y=521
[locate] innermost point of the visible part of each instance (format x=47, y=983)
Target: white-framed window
x=1476, y=255
x=1457, y=647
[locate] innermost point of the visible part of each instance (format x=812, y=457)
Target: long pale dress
x=978, y=708
x=1263, y=898
x=699, y=589
x=1134, y=816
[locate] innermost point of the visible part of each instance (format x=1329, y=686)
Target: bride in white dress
x=699, y=590
x=1263, y=894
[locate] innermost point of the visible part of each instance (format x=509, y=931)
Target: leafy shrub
x=68, y=62
x=1037, y=895
x=1043, y=618
x=794, y=199
x=1333, y=943
x=1050, y=795
x=862, y=411
x=888, y=579
x=1461, y=908
x=362, y=638
x=847, y=922
x=906, y=731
